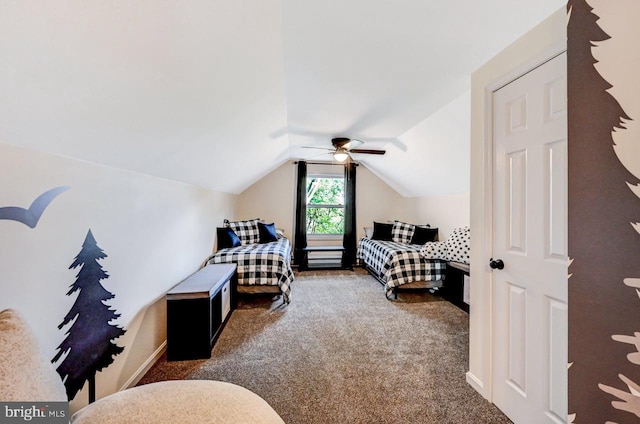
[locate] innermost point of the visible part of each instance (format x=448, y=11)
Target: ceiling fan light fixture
x=340, y=155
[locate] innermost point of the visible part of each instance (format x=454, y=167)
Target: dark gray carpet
x=342, y=353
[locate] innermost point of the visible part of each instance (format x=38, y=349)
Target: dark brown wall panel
x=604, y=246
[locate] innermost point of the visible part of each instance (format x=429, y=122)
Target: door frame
x=538, y=387
x=538, y=46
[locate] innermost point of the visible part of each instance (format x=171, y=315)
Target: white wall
x=155, y=232
x=173, y=84
x=376, y=201
x=441, y=142
x=445, y=212
x=272, y=199
x=532, y=49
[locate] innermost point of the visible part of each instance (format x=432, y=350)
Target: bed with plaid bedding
x=396, y=264
x=267, y=264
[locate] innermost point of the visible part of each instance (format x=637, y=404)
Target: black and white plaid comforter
x=399, y=263
x=267, y=264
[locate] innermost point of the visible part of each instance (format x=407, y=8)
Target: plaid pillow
x=402, y=232
x=247, y=231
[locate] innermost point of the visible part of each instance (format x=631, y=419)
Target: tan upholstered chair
x=26, y=375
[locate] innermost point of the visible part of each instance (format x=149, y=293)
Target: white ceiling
x=218, y=93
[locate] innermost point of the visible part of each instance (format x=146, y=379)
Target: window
x=325, y=205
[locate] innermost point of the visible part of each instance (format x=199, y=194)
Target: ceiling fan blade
x=368, y=151
x=318, y=148
x=317, y=156
x=351, y=144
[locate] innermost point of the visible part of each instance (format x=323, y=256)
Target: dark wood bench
x=454, y=284
x=198, y=309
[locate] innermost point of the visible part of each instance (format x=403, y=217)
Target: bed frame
x=430, y=286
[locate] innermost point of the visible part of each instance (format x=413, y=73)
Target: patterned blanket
x=396, y=264
x=267, y=264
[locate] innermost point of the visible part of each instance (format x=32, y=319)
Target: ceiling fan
x=342, y=147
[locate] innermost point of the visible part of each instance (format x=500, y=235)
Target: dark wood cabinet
x=454, y=284
x=198, y=309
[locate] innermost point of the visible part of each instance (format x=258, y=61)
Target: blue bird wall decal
x=31, y=216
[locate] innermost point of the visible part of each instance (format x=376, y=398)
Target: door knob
x=497, y=264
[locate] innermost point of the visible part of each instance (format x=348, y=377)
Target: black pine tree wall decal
x=89, y=342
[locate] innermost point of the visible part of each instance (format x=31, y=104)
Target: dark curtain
x=300, y=236
x=349, y=239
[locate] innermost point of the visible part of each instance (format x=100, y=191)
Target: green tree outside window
x=325, y=205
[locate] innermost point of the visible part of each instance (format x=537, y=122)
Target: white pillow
x=459, y=245
x=435, y=250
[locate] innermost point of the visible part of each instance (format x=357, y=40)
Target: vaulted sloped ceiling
x=218, y=93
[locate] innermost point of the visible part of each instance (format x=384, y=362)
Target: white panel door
x=529, y=305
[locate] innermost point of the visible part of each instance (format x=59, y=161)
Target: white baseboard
x=137, y=376
x=478, y=386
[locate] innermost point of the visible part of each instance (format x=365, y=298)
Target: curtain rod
x=325, y=163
